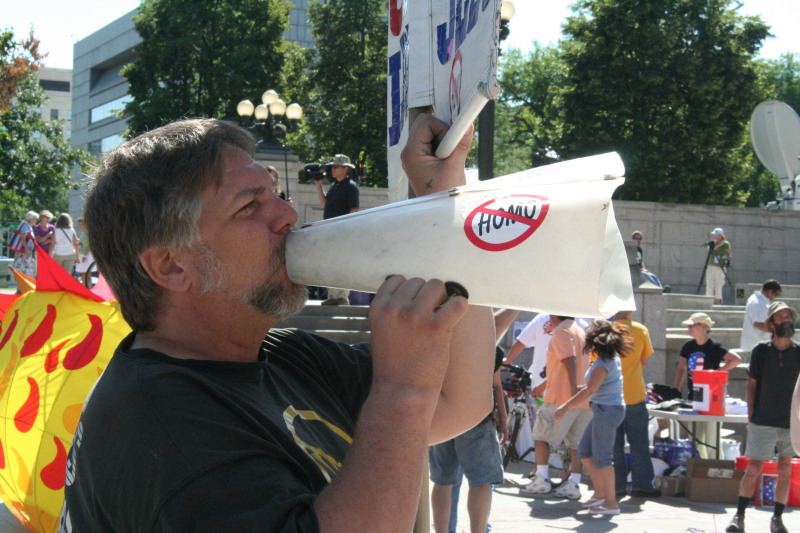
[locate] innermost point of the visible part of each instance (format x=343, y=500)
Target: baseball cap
x=776, y=306
x=342, y=160
x=717, y=231
x=698, y=318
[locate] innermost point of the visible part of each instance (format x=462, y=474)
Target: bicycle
x=517, y=386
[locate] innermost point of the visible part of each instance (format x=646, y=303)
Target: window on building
x=107, y=110
x=53, y=85
x=54, y=114
x=105, y=145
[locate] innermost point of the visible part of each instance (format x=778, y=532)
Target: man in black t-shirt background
x=341, y=199
x=772, y=375
x=702, y=352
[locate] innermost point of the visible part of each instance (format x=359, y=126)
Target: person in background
x=341, y=199
x=45, y=232
x=634, y=427
x=566, y=365
x=718, y=260
x=276, y=184
x=85, y=257
x=772, y=379
x=606, y=341
x=65, y=252
x=754, y=327
x=24, y=256
x=702, y=353
x=636, y=236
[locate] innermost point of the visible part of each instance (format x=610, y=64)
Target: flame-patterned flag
x=55, y=342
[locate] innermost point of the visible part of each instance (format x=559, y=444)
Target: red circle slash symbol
x=503, y=223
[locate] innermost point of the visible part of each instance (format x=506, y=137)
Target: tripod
x=711, y=245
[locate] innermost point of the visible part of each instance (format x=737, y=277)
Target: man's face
x=718, y=238
x=771, y=295
x=244, y=227
x=782, y=324
x=339, y=172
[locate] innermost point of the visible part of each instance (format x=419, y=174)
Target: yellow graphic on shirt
x=327, y=464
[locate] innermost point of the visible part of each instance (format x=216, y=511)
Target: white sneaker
x=538, y=485
x=568, y=490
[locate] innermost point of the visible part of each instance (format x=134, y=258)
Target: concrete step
x=728, y=337
x=689, y=301
x=744, y=290
x=723, y=316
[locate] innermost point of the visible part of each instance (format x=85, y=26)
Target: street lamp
x=267, y=117
x=268, y=123
x=486, y=117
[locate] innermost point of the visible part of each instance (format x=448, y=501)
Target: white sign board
x=442, y=56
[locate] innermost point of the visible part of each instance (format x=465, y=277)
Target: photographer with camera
x=719, y=258
x=341, y=199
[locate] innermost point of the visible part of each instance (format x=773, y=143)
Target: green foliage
x=345, y=90
x=199, y=59
x=35, y=158
x=782, y=79
x=670, y=85
x=527, y=116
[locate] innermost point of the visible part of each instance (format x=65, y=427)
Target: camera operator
x=719, y=258
x=341, y=199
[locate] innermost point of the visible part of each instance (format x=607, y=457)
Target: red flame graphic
x=53, y=474
x=2, y=457
x=51, y=361
x=82, y=353
x=30, y=409
x=10, y=329
x=43, y=332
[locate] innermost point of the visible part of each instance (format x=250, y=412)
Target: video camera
x=317, y=171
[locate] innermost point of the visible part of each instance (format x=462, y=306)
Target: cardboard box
x=712, y=480
x=671, y=486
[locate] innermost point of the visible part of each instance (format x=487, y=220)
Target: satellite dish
x=775, y=133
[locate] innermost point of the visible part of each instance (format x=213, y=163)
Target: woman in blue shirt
x=604, y=340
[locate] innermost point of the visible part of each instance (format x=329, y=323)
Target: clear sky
x=60, y=23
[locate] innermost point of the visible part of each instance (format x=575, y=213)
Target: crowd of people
x=60, y=240
x=234, y=425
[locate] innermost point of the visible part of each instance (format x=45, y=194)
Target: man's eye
x=249, y=207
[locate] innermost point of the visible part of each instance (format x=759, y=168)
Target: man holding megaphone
x=200, y=422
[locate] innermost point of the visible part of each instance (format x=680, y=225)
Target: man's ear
x=166, y=267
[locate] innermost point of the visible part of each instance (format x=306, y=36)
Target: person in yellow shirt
x=634, y=427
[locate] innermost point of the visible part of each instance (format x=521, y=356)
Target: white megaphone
x=542, y=240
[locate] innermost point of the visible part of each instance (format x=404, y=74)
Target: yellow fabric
x=53, y=347
x=633, y=386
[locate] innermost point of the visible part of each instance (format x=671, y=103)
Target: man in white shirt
x=754, y=328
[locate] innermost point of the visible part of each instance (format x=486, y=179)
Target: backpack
x=15, y=241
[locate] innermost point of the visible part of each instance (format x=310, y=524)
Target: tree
x=346, y=87
x=670, y=85
x=199, y=59
x=527, y=119
x=18, y=60
x=35, y=157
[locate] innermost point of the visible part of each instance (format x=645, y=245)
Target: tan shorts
x=568, y=430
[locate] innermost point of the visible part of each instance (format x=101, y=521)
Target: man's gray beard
x=274, y=299
x=785, y=330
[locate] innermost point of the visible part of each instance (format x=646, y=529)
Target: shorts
x=763, y=440
x=568, y=430
x=83, y=266
x=598, y=440
x=478, y=453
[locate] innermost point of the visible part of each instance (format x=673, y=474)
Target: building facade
x=100, y=91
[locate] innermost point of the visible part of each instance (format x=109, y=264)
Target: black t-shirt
x=341, y=198
x=711, y=354
x=187, y=445
x=775, y=372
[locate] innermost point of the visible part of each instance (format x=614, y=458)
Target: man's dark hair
x=771, y=285
x=146, y=193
